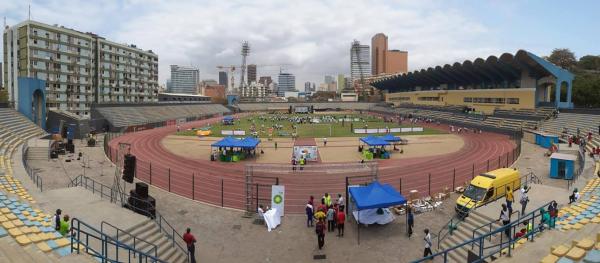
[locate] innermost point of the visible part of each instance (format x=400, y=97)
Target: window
x=512, y=101
x=35, y=41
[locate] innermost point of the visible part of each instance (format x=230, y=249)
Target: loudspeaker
x=144, y=206
x=141, y=189
x=129, y=168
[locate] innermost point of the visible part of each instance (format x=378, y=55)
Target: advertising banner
x=310, y=153
x=224, y=132
x=240, y=133
x=278, y=198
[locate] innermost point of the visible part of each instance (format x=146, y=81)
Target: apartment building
x=79, y=68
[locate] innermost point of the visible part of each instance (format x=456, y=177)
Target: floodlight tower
x=245, y=53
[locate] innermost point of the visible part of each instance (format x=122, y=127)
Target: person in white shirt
x=340, y=201
x=524, y=198
x=427, y=239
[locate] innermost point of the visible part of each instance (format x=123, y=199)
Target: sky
x=312, y=38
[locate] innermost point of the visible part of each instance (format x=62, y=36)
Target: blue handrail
x=81, y=233
x=136, y=240
x=480, y=240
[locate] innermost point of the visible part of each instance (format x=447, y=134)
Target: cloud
x=313, y=36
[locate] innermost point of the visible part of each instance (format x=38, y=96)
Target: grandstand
x=572, y=122
x=120, y=116
x=317, y=106
x=511, y=83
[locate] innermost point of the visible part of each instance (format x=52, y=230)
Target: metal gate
x=258, y=190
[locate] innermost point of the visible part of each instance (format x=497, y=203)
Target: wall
x=27, y=86
x=457, y=97
x=396, y=61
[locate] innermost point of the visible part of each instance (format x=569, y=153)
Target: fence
x=114, y=196
x=33, y=175
x=211, y=185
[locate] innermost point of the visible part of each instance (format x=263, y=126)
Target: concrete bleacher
x=20, y=221
x=316, y=105
x=573, y=121
x=124, y=116
x=537, y=114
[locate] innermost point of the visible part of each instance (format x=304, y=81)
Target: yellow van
x=488, y=187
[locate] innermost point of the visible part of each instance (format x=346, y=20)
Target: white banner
x=372, y=130
x=224, y=132
x=360, y=131
x=417, y=129
x=310, y=153
x=242, y=133
x=384, y=130
x=405, y=129
x=278, y=198
x=395, y=130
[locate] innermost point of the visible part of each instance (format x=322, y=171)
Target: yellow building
x=522, y=81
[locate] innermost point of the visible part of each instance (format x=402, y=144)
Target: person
x=522, y=232
x=509, y=200
x=64, y=226
x=410, y=220
x=311, y=201
x=553, y=211
x=505, y=219
x=545, y=220
x=322, y=207
x=327, y=198
x=302, y=163
x=340, y=202
x=324, y=141
x=294, y=163
x=524, y=198
x=330, y=219
x=309, y=214
x=320, y=230
x=529, y=229
x=341, y=218
x=574, y=197
x=57, y=219
x=261, y=211
x=190, y=241
x=275, y=145
x=427, y=239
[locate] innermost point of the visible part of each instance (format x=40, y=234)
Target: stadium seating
x=18, y=218
x=317, y=105
x=540, y=113
x=573, y=121
x=137, y=115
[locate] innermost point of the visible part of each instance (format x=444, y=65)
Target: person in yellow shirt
x=509, y=200
x=327, y=198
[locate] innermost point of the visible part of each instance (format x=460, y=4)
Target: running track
x=224, y=183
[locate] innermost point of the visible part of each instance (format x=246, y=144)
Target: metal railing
x=448, y=228
x=33, y=175
x=495, y=250
x=120, y=233
x=109, y=193
x=110, y=250
x=491, y=224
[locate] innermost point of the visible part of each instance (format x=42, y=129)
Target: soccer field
x=286, y=125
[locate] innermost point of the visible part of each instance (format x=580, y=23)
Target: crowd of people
x=329, y=216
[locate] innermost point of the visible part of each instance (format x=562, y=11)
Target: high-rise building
x=223, y=78
x=360, y=64
x=254, y=90
x=184, y=79
x=1, y=74
x=79, y=68
x=287, y=82
x=265, y=80
x=384, y=61
x=341, y=82
x=307, y=86
x=396, y=61
x=251, y=73
x=379, y=45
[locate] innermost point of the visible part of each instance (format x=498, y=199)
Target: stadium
x=138, y=175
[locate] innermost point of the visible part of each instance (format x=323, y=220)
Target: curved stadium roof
x=505, y=69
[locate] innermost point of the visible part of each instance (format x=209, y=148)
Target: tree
x=586, y=90
x=589, y=63
x=563, y=57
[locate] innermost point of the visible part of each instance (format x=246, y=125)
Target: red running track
x=223, y=184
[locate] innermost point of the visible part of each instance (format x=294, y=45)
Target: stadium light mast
x=245, y=53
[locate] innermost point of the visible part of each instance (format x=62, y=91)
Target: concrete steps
x=37, y=153
x=463, y=233
x=150, y=232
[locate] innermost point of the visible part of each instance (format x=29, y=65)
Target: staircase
x=37, y=153
x=10, y=251
x=464, y=232
x=150, y=232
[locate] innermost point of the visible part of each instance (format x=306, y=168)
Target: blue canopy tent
x=374, y=195
x=228, y=120
x=246, y=144
x=376, y=147
x=390, y=138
